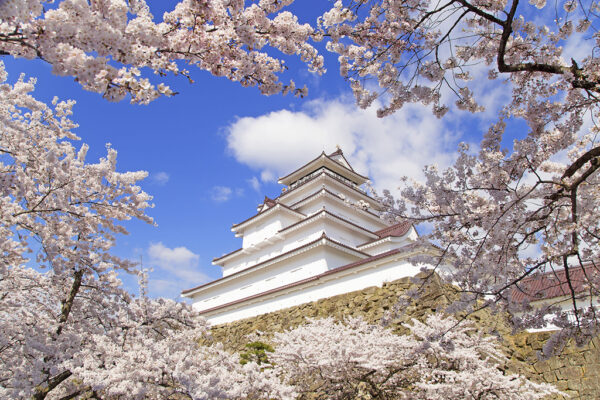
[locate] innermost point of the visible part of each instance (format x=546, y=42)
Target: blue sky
x=213, y=151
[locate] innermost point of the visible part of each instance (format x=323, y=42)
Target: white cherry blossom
x=437, y=359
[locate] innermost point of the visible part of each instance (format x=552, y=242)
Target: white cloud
x=385, y=149
x=179, y=260
x=168, y=288
x=267, y=176
x=254, y=183
x=221, y=194
x=161, y=178
x=173, y=269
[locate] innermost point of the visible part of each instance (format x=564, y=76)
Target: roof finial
x=337, y=152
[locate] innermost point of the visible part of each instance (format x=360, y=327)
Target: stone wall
x=576, y=371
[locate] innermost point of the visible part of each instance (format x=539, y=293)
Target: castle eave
x=257, y=217
x=291, y=228
x=330, y=179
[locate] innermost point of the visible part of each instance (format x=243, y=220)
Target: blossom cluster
x=505, y=211
x=67, y=327
x=107, y=45
x=439, y=358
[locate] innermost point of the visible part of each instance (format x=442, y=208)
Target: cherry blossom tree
x=334, y=360
x=502, y=213
x=67, y=328
x=107, y=45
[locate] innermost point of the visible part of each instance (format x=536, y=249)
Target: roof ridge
x=350, y=169
x=337, y=152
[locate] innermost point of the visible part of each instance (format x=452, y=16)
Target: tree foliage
x=437, y=359
x=68, y=329
x=504, y=212
x=256, y=351
x=107, y=45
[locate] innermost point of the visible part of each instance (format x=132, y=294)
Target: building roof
x=272, y=203
x=328, y=161
x=376, y=205
x=214, y=260
x=323, y=191
x=339, y=154
x=325, y=213
x=399, y=229
x=553, y=284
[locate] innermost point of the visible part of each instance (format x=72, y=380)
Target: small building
x=559, y=288
x=322, y=236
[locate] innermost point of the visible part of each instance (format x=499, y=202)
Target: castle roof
x=264, y=213
x=399, y=229
x=314, y=217
x=323, y=175
x=335, y=162
x=554, y=284
x=336, y=197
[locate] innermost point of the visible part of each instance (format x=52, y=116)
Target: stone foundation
x=576, y=371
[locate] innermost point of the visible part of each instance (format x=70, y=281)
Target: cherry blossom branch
x=67, y=304
x=482, y=13
x=42, y=392
x=591, y=155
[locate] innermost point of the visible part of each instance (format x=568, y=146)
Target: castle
x=322, y=236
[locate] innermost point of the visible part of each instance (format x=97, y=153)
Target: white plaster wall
x=566, y=305
x=305, y=265
x=347, y=281
x=294, y=269
x=294, y=239
x=344, y=211
x=268, y=227
x=339, y=259
x=344, y=234
x=301, y=237
x=388, y=244
x=412, y=233
x=261, y=231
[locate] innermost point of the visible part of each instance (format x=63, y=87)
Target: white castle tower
x=321, y=237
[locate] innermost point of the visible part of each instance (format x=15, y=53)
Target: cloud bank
x=385, y=149
x=173, y=269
